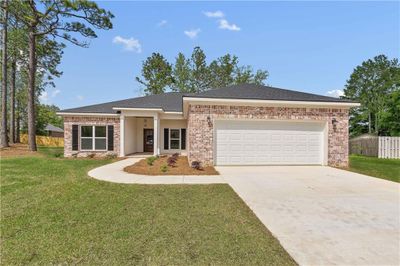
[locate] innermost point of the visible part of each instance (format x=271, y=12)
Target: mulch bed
x=181, y=167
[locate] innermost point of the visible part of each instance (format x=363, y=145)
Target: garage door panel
x=252, y=143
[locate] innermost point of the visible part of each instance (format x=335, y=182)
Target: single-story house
x=54, y=131
x=243, y=124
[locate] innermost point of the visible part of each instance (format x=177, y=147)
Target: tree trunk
x=12, y=102
x=31, y=90
x=18, y=124
x=3, y=130
x=377, y=123
x=369, y=123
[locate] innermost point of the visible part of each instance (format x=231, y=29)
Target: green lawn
x=52, y=213
x=388, y=169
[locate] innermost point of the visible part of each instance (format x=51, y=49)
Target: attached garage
x=269, y=142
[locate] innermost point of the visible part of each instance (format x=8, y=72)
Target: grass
x=52, y=213
x=388, y=169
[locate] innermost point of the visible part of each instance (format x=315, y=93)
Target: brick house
x=237, y=125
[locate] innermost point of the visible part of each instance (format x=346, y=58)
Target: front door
x=148, y=138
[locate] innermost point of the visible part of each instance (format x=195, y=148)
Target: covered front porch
x=151, y=133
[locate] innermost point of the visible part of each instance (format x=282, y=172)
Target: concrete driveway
x=322, y=215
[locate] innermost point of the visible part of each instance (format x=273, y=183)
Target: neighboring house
x=54, y=131
x=236, y=125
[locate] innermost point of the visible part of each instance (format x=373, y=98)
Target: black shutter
x=183, y=138
x=166, y=138
x=75, y=136
x=110, y=138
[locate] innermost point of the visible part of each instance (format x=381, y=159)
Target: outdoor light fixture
x=209, y=121
x=334, y=124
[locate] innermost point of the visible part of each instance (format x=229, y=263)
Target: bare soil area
x=17, y=150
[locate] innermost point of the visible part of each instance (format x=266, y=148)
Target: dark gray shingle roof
x=260, y=92
x=172, y=101
x=50, y=127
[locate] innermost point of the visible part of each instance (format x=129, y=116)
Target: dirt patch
x=17, y=150
x=181, y=168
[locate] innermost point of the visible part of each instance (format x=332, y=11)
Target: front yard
x=388, y=169
x=52, y=213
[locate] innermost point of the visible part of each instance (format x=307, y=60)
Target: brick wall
x=200, y=133
x=93, y=121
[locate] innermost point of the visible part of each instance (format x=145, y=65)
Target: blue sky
x=305, y=46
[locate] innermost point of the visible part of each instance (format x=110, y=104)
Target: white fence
x=389, y=147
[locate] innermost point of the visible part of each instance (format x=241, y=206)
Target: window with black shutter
x=110, y=138
x=183, y=138
x=75, y=137
x=166, y=138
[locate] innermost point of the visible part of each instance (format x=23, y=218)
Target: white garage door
x=262, y=143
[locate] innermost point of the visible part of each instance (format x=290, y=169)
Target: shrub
x=150, y=160
x=175, y=155
x=164, y=168
x=196, y=165
x=171, y=161
x=58, y=154
x=111, y=156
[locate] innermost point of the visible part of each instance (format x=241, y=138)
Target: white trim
x=270, y=102
x=156, y=134
x=122, y=136
x=137, y=109
x=179, y=139
x=86, y=114
x=93, y=137
x=169, y=116
x=173, y=113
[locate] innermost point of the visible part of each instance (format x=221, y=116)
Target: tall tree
x=194, y=75
x=200, y=71
x=182, y=75
x=12, y=100
x=4, y=84
x=157, y=74
x=17, y=45
x=46, y=114
x=57, y=18
x=391, y=116
x=245, y=74
x=372, y=84
x=222, y=71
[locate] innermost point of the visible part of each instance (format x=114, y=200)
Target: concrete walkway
x=114, y=173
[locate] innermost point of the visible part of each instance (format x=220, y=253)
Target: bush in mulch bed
x=181, y=167
x=196, y=165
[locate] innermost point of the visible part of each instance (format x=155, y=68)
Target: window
x=93, y=138
x=174, y=139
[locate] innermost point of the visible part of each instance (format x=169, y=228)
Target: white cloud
x=192, y=34
x=224, y=24
x=79, y=97
x=130, y=44
x=162, y=23
x=335, y=93
x=47, y=97
x=55, y=93
x=216, y=14
x=44, y=97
